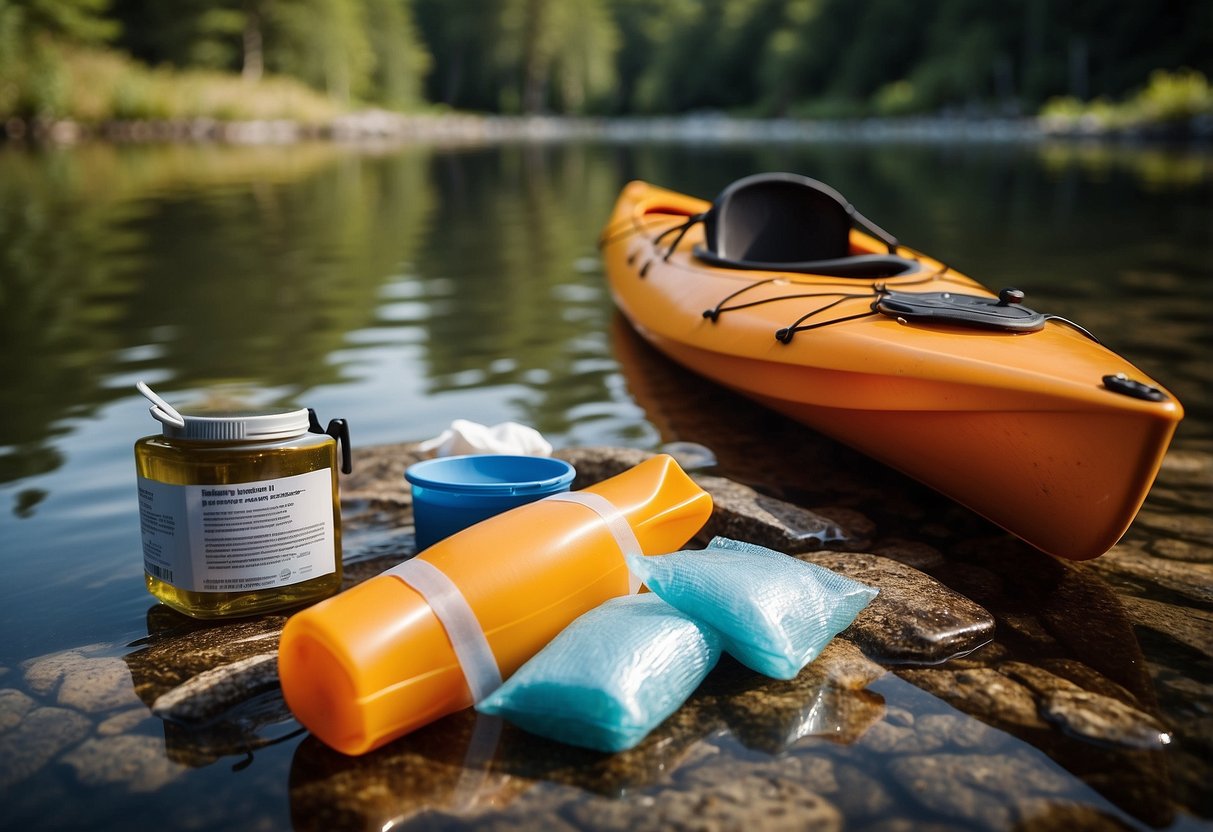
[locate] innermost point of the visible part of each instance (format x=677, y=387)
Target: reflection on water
x=407, y=288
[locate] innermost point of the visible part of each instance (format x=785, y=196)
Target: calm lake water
x=404, y=288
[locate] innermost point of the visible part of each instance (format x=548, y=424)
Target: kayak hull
x=1019, y=427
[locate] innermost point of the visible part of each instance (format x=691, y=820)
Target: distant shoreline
x=374, y=126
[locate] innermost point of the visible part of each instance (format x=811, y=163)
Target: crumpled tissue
x=467, y=437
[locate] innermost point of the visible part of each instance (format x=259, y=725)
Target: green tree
x=401, y=59
x=184, y=33
x=461, y=38
x=559, y=53
x=323, y=42
x=32, y=36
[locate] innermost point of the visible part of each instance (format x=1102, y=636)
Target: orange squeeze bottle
x=376, y=661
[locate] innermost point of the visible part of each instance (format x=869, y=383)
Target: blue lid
x=491, y=474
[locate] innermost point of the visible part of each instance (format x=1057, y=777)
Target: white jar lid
x=226, y=425
x=239, y=425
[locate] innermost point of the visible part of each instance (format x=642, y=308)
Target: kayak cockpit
x=791, y=223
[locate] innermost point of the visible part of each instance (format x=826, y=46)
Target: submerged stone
x=44, y=673
x=980, y=692
x=13, y=706
x=827, y=700
x=36, y=739
x=982, y=791
x=134, y=762
x=743, y=801
x=1102, y=719
x=96, y=685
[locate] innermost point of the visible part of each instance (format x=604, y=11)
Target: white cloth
x=466, y=437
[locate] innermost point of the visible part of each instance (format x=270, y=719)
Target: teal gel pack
x=775, y=613
x=611, y=676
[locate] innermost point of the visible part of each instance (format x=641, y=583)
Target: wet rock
x=666, y=748
x=981, y=791
x=858, y=526
x=445, y=767
x=214, y=691
x=1108, y=720
x=741, y=513
x=1027, y=627
x=896, y=824
x=1191, y=627
x=1187, y=467
x=1186, y=550
x=775, y=717
x=122, y=722
x=921, y=556
x=43, y=674
x=976, y=583
x=96, y=685
x=842, y=665
x=1102, y=719
x=980, y=692
x=255, y=723
x=814, y=772
x=1087, y=678
x=1193, y=581
x=747, y=801
x=378, y=475
x=1036, y=679
x=987, y=655
x=1050, y=813
x=1188, y=526
x=180, y=648
x=595, y=464
x=826, y=699
x=36, y=739
x=1076, y=607
x=889, y=738
x=914, y=618
x=13, y=706
x=860, y=795
x=960, y=732
x=134, y=762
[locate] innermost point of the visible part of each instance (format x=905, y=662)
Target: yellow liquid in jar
x=193, y=462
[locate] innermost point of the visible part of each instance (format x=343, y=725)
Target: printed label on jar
x=238, y=537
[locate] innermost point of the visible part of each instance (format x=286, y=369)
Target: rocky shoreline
x=382, y=126
x=988, y=686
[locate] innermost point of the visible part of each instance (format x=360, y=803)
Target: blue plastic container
x=453, y=492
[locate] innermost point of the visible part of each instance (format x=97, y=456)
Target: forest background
x=308, y=60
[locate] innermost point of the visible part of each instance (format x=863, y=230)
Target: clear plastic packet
x=775, y=613
x=611, y=676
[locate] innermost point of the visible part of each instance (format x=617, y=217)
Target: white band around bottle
x=618, y=525
x=472, y=649
x=467, y=637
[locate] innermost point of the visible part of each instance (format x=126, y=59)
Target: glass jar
x=239, y=511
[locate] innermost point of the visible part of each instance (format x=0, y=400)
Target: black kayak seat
x=791, y=223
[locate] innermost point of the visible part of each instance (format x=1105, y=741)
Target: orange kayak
x=773, y=290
